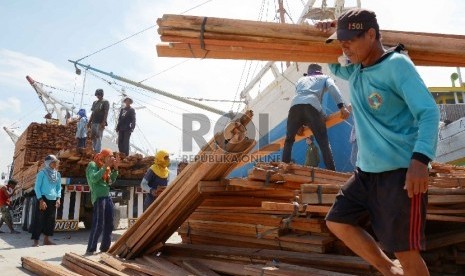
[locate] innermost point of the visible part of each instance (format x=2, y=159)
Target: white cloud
x=15, y=66
x=11, y=104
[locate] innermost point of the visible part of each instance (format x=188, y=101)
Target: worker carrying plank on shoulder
x=396, y=132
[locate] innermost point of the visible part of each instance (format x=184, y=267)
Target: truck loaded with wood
x=42, y=139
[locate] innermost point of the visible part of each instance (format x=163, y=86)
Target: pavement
x=15, y=246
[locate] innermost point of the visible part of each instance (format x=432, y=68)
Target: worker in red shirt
x=5, y=194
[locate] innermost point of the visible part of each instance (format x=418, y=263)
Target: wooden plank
x=446, y=199
x=211, y=238
x=236, y=253
x=74, y=267
x=247, y=218
x=288, y=270
x=288, y=207
x=199, y=268
x=444, y=239
x=117, y=264
x=423, y=48
x=228, y=267
x=181, y=198
x=166, y=265
x=211, y=186
x=233, y=228
x=145, y=269
x=42, y=268
x=445, y=218
x=91, y=266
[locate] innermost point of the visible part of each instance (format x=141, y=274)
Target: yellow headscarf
x=160, y=165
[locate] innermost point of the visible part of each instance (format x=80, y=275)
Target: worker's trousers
x=306, y=114
x=97, y=133
x=44, y=221
x=123, y=141
x=102, y=221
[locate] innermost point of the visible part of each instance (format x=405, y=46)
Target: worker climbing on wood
x=156, y=177
x=396, y=132
x=306, y=110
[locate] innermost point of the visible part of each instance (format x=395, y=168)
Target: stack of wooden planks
x=73, y=163
x=40, y=140
x=221, y=38
x=270, y=223
x=182, y=197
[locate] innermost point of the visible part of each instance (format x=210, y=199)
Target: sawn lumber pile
x=182, y=197
x=40, y=140
x=34, y=144
x=74, y=163
x=222, y=38
x=270, y=223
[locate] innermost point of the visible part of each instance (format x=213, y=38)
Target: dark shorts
x=397, y=220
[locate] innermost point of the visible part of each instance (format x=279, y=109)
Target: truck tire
x=116, y=216
x=32, y=210
x=25, y=219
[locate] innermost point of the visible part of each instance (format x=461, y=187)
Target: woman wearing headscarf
x=48, y=192
x=81, y=131
x=100, y=174
x=156, y=176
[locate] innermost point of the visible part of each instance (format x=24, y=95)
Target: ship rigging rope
x=146, y=104
x=135, y=34
x=139, y=90
x=29, y=113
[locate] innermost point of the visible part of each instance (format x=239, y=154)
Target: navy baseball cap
x=352, y=23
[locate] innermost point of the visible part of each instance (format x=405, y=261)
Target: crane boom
x=155, y=90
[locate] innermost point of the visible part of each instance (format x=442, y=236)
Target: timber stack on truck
x=42, y=139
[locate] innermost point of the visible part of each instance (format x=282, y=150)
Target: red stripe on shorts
x=415, y=223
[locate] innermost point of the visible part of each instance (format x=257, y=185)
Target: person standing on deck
x=156, y=176
x=306, y=110
x=125, y=126
x=100, y=174
x=397, y=130
x=98, y=120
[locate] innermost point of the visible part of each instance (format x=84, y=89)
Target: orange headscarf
x=98, y=159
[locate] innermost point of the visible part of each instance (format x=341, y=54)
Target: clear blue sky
x=38, y=37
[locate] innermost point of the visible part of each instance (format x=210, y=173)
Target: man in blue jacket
x=396, y=131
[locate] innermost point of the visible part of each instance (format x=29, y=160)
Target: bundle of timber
x=221, y=38
x=40, y=140
x=183, y=260
x=270, y=223
x=28, y=176
x=182, y=196
x=47, y=136
x=73, y=163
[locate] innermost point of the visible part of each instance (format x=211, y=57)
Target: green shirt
x=98, y=187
